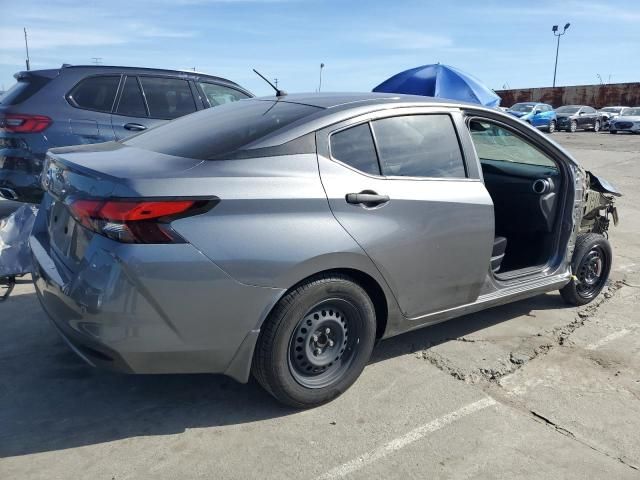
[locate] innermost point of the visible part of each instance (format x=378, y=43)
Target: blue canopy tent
x=440, y=81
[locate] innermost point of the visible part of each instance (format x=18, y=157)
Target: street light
x=320, y=84
x=557, y=34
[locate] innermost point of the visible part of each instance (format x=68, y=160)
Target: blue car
x=539, y=115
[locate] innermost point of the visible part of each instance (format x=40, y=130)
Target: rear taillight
x=23, y=123
x=136, y=221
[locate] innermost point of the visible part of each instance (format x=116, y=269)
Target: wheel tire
x=573, y=126
x=613, y=132
x=552, y=126
x=591, y=264
x=285, y=344
x=596, y=126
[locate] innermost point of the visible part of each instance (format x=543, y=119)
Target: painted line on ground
x=607, y=339
x=405, y=440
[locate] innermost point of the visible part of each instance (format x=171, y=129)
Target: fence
x=598, y=96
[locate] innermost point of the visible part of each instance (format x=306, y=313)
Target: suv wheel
x=316, y=341
x=573, y=126
x=552, y=126
x=590, y=265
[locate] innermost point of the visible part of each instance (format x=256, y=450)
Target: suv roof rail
x=189, y=72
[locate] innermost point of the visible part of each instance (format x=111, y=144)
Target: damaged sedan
x=283, y=236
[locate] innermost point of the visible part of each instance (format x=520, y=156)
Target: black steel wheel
x=316, y=341
x=591, y=265
x=324, y=343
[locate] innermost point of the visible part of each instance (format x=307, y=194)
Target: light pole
x=320, y=84
x=557, y=34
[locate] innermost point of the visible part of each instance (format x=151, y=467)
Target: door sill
x=520, y=272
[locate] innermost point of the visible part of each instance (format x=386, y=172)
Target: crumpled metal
x=15, y=255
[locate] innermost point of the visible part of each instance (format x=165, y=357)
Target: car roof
x=109, y=68
x=347, y=99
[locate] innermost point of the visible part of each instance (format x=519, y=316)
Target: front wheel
x=316, y=341
x=596, y=126
x=552, y=126
x=613, y=132
x=590, y=265
x=573, y=126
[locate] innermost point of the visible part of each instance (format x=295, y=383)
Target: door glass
x=168, y=97
x=493, y=142
x=354, y=146
x=419, y=146
x=219, y=94
x=95, y=93
x=131, y=103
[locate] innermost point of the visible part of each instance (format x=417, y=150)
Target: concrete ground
x=530, y=390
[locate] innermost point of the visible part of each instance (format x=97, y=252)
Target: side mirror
x=581, y=113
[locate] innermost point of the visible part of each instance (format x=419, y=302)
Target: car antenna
x=279, y=93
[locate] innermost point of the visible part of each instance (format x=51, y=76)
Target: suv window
x=214, y=132
x=168, y=98
x=23, y=89
x=419, y=146
x=95, y=93
x=493, y=142
x=219, y=94
x=354, y=146
x=131, y=102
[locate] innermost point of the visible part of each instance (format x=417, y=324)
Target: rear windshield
x=22, y=90
x=217, y=131
x=567, y=109
x=522, y=107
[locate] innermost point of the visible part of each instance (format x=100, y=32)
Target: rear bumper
x=150, y=308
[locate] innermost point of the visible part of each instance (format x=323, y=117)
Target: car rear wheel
x=573, y=126
x=552, y=126
x=590, y=265
x=316, y=341
x=596, y=126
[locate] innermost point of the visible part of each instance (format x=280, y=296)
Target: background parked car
x=539, y=115
x=609, y=113
x=578, y=117
x=629, y=121
x=91, y=104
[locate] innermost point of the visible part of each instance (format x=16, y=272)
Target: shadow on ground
x=50, y=400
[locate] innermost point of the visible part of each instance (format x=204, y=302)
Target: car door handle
x=135, y=127
x=366, y=198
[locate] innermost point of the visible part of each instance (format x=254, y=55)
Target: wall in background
x=598, y=96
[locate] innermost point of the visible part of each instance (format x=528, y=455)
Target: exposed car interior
x=523, y=183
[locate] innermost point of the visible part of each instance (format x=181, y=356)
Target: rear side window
x=419, y=146
x=131, y=102
x=23, y=90
x=95, y=93
x=219, y=94
x=214, y=132
x=354, y=146
x=168, y=97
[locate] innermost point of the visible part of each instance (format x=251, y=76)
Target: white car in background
x=628, y=121
x=609, y=113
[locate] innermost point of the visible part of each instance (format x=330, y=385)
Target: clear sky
x=361, y=42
